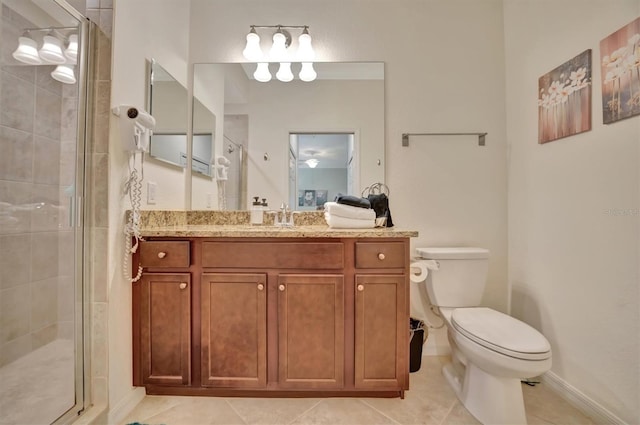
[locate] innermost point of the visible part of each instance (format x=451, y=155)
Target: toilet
x=490, y=351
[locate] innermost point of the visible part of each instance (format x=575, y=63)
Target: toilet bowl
x=490, y=351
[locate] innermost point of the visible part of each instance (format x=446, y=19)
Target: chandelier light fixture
x=52, y=52
x=281, y=53
x=312, y=162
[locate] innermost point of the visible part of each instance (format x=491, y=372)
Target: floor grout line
x=444, y=419
x=382, y=413
x=305, y=412
x=242, y=418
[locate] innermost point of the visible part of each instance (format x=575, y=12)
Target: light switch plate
x=152, y=189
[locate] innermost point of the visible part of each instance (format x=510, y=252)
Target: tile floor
x=429, y=401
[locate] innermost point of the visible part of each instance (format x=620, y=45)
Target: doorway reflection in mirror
x=323, y=167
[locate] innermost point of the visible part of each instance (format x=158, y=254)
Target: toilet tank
x=460, y=278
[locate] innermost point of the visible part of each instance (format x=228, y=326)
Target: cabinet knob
x=360, y=288
x=380, y=256
x=260, y=286
x=281, y=287
x=162, y=254
x=183, y=285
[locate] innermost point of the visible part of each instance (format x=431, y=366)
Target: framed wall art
x=564, y=99
x=620, y=62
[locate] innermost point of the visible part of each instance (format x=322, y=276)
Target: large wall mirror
x=267, y=132
x=167, y=102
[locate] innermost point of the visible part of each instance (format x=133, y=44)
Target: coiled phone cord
x=133, y=187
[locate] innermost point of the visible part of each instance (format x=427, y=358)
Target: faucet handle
x=291, y=217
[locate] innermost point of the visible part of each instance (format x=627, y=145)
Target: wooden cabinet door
x=234, y=330
x=381, y=330
x=310, y=331
x=165, y=328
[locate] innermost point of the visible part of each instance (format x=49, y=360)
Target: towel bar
x=481, y=136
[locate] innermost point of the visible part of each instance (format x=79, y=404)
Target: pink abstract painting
x=564, y=99
x=620, y=61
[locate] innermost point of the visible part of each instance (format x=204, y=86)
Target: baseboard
x=580, y=401
x=120, y=411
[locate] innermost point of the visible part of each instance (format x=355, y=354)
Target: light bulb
x=305, y=51
x=262, y=73
x=278, y=51
x=307, y=73
x=284, y=73
x=51, y=51
x=27, y=51
x=64, y=74
x=312, y=162
x=252, y=50
x=72, y=49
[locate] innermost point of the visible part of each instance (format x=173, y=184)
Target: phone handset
x=136, y=127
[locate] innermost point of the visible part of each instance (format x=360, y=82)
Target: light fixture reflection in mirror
x=262, y=73
x=346, y=98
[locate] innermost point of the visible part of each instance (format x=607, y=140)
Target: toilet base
x=490, y=399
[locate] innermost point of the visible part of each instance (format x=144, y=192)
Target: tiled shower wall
x=37, y=135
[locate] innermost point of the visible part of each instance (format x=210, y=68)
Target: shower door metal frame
x=80, y=218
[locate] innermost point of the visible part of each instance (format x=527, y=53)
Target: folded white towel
x=337, y=222
x=348, y=211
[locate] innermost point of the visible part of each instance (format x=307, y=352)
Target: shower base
x=39, y=387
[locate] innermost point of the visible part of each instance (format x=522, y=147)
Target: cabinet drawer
x=380, y=255
x=164, y=254
x=281, y=255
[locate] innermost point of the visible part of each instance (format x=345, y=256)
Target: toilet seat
x=501, y=333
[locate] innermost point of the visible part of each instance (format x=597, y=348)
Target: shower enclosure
x=42, y=150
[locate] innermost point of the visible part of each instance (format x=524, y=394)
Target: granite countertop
x=235, y=224
x=270, y=231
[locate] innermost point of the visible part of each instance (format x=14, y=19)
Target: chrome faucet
x=284, y=217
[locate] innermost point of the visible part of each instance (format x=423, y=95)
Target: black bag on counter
x=379, y=203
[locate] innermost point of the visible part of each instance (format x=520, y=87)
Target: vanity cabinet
x=272, y=316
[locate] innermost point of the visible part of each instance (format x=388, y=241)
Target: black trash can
x=418, y=338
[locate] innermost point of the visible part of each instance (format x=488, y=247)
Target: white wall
x=573, y=267
x=444, y=71
x=143, y=29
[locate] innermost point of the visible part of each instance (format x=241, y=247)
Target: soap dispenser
x=256, y=211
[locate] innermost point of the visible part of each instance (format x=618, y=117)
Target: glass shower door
x=41, y=228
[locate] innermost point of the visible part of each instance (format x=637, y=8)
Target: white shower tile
x=19, y=113
x=46, y=160
x=17, y=154
x=15, y=260
x=48, y=114
x=44, y=303
x=14, y=312
x=16, y=194
x=44, y=255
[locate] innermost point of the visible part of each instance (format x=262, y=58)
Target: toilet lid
x=500, y=332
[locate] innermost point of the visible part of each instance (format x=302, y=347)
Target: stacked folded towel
x=342, y=216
